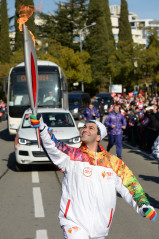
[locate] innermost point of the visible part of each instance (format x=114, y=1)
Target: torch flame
x=25, y=12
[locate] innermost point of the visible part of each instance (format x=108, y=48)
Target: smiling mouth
x=85, y=134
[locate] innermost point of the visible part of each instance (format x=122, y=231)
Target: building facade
x=139, y=27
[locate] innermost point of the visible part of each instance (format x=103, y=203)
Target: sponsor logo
x=87, y=172
x=108, y=175
x=73, y=229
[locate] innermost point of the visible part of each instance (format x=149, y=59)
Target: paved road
x=29, y=201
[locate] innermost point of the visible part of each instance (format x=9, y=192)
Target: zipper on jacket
x=96, y=158
x=116, y=122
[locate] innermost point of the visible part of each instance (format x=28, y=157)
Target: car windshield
x=52, y=120
x=107, y=99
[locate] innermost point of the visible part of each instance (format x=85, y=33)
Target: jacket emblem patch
x=87, y=172
x=70, y=230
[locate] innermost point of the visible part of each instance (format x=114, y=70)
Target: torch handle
x=38, y=137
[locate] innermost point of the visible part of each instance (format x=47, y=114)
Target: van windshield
x=48, y=89
x=74, y=100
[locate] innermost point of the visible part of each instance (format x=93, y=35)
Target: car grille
x=23, y=153
x=38, y=154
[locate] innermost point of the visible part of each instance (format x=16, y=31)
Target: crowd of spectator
x=3, y=111
x=142, y=117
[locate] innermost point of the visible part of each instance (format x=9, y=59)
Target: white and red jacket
x=91, y=181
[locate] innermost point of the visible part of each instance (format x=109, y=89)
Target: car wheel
x=20, y=167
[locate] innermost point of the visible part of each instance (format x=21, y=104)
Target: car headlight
x=74, y=140
x=105, y=107
x=24, y=141
x=75, y=110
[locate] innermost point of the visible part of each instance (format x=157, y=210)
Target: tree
x=153, y=40
x=70, y=18
x=125, y=35
x=153, y=48
x=108, y=19
x=0, y=20
x=17, y=57
x=124, y=56
x=80, y=21
x=5, y=51
x=30, y=23
x=74, y=64
x=121, y=68
x=97, y=40
x=58, y=26
x=47, y=28
x=148, y=63
x=64, y=27
x=82, y=13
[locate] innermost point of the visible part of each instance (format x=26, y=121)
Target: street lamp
x=80, y=33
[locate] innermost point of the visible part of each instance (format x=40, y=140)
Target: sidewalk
x=139, y=150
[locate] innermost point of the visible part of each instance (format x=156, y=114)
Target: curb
x=140, y=151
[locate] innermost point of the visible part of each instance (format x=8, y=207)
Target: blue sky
x=144, y=9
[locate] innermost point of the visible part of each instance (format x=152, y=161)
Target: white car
x=26, y=146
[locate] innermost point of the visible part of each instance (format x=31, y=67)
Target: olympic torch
x=31, y=71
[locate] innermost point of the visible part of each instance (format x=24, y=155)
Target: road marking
x=38, y=204
x=35, y=177
x=41, y=234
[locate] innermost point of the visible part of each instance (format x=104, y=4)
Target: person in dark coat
x=101, y=110
x=152, y=128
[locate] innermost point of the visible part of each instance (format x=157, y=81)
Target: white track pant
x=76, y=233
